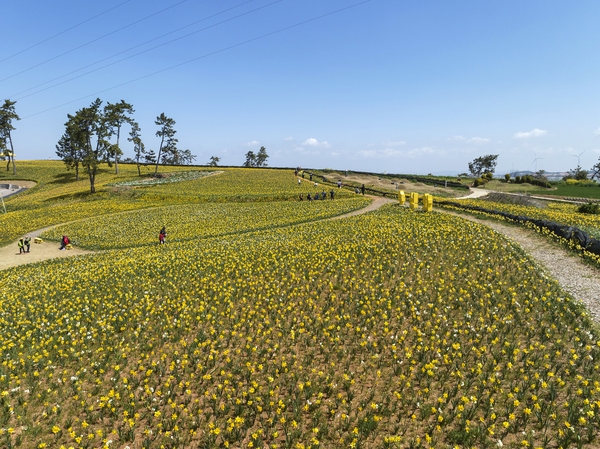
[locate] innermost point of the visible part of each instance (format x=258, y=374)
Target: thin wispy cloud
x=381, y=153
x=253, y=143
x=393, y=143
x=597, y=132
x=395, y=152
x=533, y=133
x=474, y=140
x=288, y=139
x=312, y=142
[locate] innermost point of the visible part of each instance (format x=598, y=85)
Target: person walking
x=362, y=189
x=331, y=193
x=27, y=243
x=162, y=235
x=299, y=181
x=21, y=245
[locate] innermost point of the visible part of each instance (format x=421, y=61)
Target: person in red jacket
x=64, y=242
x=162, y=235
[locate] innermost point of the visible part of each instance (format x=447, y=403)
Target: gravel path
x=576, y=277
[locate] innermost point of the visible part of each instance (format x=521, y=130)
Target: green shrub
x=507, y=177
x=589, y=208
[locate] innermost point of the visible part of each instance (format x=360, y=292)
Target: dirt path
x=581, y=280
x=10, y=257
x=475, y=193
x=377, y=202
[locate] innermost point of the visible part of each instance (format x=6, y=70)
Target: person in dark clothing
x=308, y=197
x=362, y=189
x=27, y=243
x=301, y=198
x=331, y=193
x=64, y=242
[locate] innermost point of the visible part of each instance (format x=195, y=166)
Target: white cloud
x=394, y=152
x=473, y=140
x=253, y=143
x=424, y=151
x=533, y=133
x=393, y=143
x=597, y=132
x=385, y=153
x=312, y=142
x=478, y=140
x=288, y=139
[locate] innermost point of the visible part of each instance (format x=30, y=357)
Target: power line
x=92, y=41
x=63, y=32
x=239, y=44
x=132, y=48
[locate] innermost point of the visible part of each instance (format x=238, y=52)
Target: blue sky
x=386, y=85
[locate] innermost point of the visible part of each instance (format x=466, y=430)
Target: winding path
x=10, y=257
x=579, y=279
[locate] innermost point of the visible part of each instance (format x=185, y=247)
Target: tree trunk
x=92, y=182
x=76, y=171
x=116, y=152
x=139, y=171
x=158, y=158
x=12, y=150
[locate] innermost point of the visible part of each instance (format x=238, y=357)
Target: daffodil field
x=193, y=221
x=391, y=329
x=560, y=214
x=557, y=212
x=59, y=199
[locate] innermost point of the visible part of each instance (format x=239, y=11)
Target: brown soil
x=379, y=183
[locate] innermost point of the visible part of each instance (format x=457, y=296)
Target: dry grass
x=389, y=184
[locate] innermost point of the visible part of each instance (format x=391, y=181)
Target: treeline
x=92, y=136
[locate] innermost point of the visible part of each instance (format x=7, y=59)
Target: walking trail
x=579, y=279
x=576, y=277
x=10, y=257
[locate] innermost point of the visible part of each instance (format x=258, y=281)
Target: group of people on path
x=24, y=244
x=317, y=196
